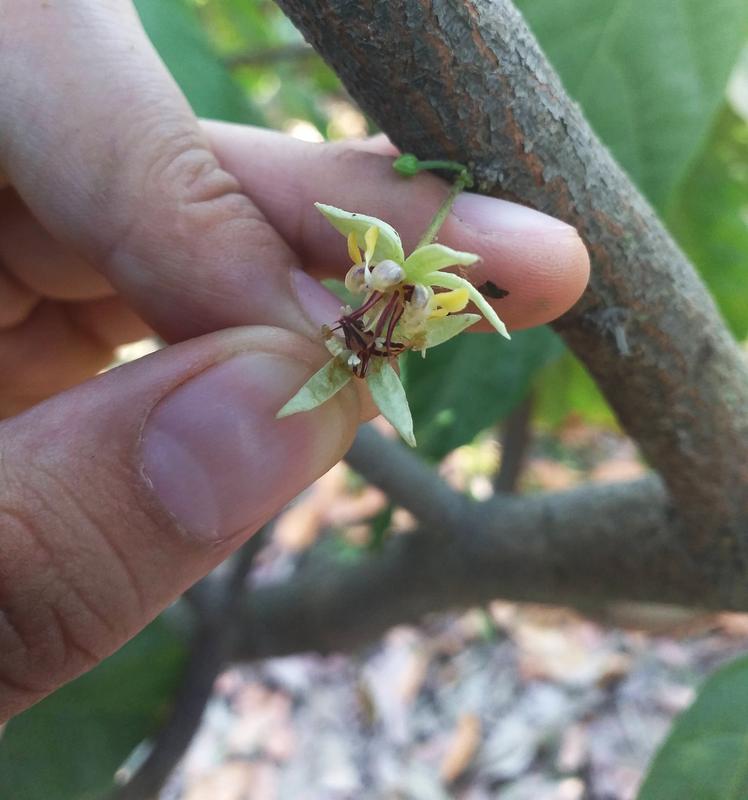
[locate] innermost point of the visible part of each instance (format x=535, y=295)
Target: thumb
x=117, y=495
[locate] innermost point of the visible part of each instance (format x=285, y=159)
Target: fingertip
x=545, y=279
x=533, y=267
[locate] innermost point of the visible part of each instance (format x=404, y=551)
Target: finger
x=59, y=345
x=39, y=262
x=538, y=261
x=111, y=160
x=378, y=144
x=119, y=494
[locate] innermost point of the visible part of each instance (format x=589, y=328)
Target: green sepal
x=432, y=258
x=388, y=244
x=389, y=395
x=325, y=383
x=443, y=329
x=447, y=280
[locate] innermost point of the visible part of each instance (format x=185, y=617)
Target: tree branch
x=584, y=547
x=515, y=442
x=466, y=81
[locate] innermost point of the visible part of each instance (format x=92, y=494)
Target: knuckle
x=354, y=163
x=187, y=201
x=67, y=599
x=37, y=642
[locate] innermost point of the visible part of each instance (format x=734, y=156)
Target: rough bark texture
x=465, y=80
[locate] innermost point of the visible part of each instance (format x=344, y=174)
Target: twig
x=272, y=55
x=212, y=647
x=515, y=441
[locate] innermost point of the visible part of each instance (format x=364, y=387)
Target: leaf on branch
x=389, y=395
x=325, y=383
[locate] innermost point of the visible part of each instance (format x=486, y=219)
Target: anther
x=385, y=275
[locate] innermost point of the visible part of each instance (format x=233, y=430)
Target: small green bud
x=407, y=164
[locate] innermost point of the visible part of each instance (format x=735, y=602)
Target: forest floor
x=508, y=701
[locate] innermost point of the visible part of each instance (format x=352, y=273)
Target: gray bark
x=585, y=548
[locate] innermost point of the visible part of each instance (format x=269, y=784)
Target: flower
x=399, y=311
x=384, y=268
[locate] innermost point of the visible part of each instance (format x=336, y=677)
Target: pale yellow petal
x=453, y=301
x=353, y=250
x=371, y=242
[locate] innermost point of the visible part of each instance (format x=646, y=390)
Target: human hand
x=120, y=214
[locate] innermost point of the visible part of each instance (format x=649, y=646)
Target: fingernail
x=491, y=215
x=320, y=305
x=218, y=459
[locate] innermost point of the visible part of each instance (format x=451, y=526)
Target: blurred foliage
x=709, y=217
x=175, y=29
x=466, y=384
x=566, y=391
x=291, y=85
x=649, y=76
x=705, y=757
x=68, y=746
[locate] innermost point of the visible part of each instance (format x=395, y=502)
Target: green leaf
x=388, y=245
x=433, y=257
x=326, y=382
x=706, y=754
x=471, y=382
x=709, y=217
x=389, y=395
x=68, y=746
x=380, y=526
x=565, y=388
x=650, y=76
x=443, y=329
x=175, y=31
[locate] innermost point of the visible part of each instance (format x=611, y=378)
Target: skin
x=121, y=214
